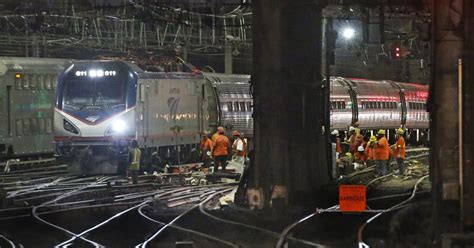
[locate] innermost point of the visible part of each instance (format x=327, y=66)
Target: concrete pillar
x=443, y=105
x=467, y=173
x=290, y=146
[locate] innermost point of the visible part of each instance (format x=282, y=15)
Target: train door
x=210, y=106
x=142, y=113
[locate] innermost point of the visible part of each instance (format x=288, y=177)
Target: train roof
x=134, y=68
x=20, y=64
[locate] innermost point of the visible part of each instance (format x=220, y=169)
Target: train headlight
x=69, y=127
x=119, y=126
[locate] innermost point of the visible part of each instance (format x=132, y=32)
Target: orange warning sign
x=352, y=198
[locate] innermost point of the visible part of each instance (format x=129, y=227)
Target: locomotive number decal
x=173, y=105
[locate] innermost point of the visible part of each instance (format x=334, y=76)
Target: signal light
x=397, y=52
x=17, y=75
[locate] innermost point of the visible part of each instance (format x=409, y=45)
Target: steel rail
x=145, y=243
x=67, y=242
x=140, y=211
x=399, y=205
x=35, y=210
x=8, y=240
x=272, y=233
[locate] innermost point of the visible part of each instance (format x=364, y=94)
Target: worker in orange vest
x=355, y=139
x=214, y=136
x=337, y=141
x=381, y=153
x=369, y=149
x=220, y=150
x=206, y=148
x=399, y=152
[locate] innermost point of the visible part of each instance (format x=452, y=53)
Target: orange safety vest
x=355, y=141
x=338, y=145
x=214, y=136
x=399, y=148
x=361, y=157
x=220, y=146
x=370, y=153
x=206, y=145
x=381, y=150
x=244, y=149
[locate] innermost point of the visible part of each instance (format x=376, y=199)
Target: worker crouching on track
x=399, y=152
x=134, y=157
x=239, y=149
x=220, y=149
x=206, y=149
x=381, y=153
x=360, y=158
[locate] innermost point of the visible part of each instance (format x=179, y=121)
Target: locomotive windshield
x=100, y=93
x=100, y=97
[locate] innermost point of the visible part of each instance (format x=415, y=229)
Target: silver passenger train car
x=26, y=105
x=102, y=105
x=380, y=105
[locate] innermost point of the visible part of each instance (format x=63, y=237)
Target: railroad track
x=107, y=204
x=14, y=171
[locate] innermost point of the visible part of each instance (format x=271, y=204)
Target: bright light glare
x=119, y=126
x=348, y=33
x=100, y=73
x=92, y=73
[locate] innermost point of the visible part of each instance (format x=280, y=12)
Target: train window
x=410, y=105
x=25, y=81
x=39, y=86
x=32, y=79
x=343, y=105
x=394, y=105
x=41, y=126
x=19, y=127
x=49, y=126
x=242, y=107
x=384, y=105
x=236, y=107
x=26, y=126
x=230, y=107
x=338, y=105
x=47, y=82
x=249, y=107
x=53, y=81
x=34, y=126
x=18, y=83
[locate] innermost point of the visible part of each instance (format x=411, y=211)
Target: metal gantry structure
x=121, y=29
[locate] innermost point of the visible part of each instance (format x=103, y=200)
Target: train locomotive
x=102, y=105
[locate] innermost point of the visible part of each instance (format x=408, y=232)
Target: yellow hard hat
x=381, y=131
x=400, y=131
x=373, y=138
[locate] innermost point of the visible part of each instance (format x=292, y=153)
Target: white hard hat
x=351, y=128
x=360, y=149
x=335, y=132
